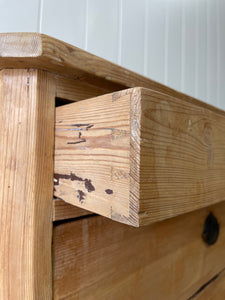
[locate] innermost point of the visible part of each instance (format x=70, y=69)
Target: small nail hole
x=211, y=230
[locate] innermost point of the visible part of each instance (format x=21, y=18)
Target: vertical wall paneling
x=146, y=38
x=166, y=42
x=64, y=20
x=132, y=46
x=201, y=50
x=18, y=17
x=40, y=15
x=221, y=52
x=180, y=43
x=188, y=46
x=103, y=28
x=120, y=28
x=85, y=41
x=173, y=58
x=156, y=39
x=217, y=53
x=211, y=53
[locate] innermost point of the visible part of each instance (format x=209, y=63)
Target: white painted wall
x=180, y=43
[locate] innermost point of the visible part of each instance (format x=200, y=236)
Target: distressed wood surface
x=26, y=168
x=182, y=156
x=214, y=289
x=92, y=155
x=35, y=50
x=69, y=90
x=65, y=211
x=139, y=156
x=87, y=253
x=96, y=258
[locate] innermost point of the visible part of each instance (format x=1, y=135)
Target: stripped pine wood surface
x=92, y=166
x=64, y=211
x=35, y=50
x=69, y=90
x=93, y=257
x=96, y=258
x=26, y=164
x=139, y=156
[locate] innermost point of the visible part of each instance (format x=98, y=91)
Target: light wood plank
x=92, y=155
x=69, y=90
x=96, y=258
x=139, y=156
x=26, y=168
x=34, y=50
x=64, y=211
x=182, y=156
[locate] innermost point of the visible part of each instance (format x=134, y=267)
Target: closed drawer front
x=96, y=258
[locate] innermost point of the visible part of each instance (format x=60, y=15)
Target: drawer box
x=139, y=156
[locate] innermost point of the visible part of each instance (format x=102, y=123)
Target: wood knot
x=211, y=230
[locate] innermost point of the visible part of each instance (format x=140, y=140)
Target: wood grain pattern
x=65, y=211
x=92, y=155
x=80, y=88
x=96, y=258
x=182, y=156
x=69, y=90
x=214, y=289
x=147, y=156
x=26, y=166
x=34, y=50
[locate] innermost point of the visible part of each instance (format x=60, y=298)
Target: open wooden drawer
x=144, y=155
x=138, y=156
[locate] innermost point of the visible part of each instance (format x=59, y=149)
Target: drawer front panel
x=96, y=258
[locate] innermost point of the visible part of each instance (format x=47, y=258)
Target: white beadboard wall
x=180, y=43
